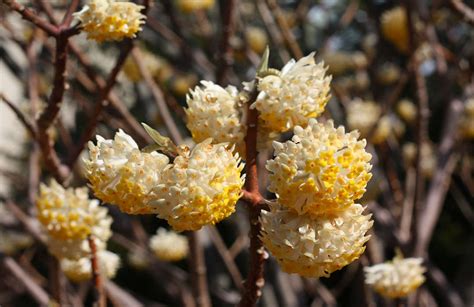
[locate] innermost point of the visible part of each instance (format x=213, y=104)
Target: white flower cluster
x=69, y=218
x=110, y=20
x=397, y=278
x=121, y=174
x=168, y=245
x=213, y=112
x=316, y=228
x=81, y=269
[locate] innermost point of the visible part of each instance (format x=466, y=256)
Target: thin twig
x=198, y=271
x=96, y=275
x=24, y=120
x=32, y=17
x=465, y=11
x=228, y=9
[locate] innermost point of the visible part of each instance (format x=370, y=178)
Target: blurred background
x=404, y=81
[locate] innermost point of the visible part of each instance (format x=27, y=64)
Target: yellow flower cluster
x=168, y=245
x=397, y=278
x=315, y=228
x=201, y=187
x=314, y=247
x=467, y=122
x=68, y=213
x=110, y=20
x=322, y=169
x=394, y=26
x=189, y=6
x=295, y=94
x=213, y=112
x=81, y=269
x=121, y=174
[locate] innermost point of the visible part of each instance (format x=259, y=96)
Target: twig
x=119, y=296
x=226, y=256
x=24, y=120
x=67, y=19
x=198, y=271
x=255, y=280
x=228, y=9
x=465, y=11
x=32, y=17
x=288, y=36
x=96, y=275
x=41, y=297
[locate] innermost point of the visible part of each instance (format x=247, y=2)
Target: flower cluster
x=80, y=269
x=397, y=278
x=189, y=6
x=213, y=112
x=168, y=245
x=121, y=174
x=316, y=228
x=467, y=122
x=110, y=20
x=295, y=94
x=69, y=218
x=201, y=187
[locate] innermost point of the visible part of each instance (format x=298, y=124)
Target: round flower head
x=109, y=20
x=315, y=247
x=256, y=39
x=321, y=170
x=213, y=112
x=299, y=92
x=407, y=110
x=78, y=248
x=362, y=115
x=189, y=6
x=68, y=213
x=397, y=278
x=121, y=174
x=168, y=245
x=200, y=188
x=394, y=25
x=80, y=270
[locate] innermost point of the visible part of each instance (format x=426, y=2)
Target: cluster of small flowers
x=396, y=278
x=394, y=26
x=201, y=186
x=287, y=98
x=69, y=218
x=315, y=227
x=467, y=122
x=104, y=20
x=168, y=245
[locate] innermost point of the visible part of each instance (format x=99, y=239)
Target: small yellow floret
x=321, y=170
x=109, y=20
x=315, y=247
x=201, y=187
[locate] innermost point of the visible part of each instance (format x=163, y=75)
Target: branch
x=24, y=120
x=465, y=11
x=228, y=15
x=255, y=280
x=33, y=17
x=198, y=271
x=96, y=276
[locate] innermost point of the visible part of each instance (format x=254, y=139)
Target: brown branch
x=465, y=11
x=96, y=274
x=33, y=17
x=288, y=36
x=119, y=296
x=67, y=19
x=228, y=10
x=159, y=98
x=40, y=296
x=24, y=120
x=255, y=279
x=198, y=271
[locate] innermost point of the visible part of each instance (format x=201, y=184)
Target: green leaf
x=263, y=66
x=163, y=143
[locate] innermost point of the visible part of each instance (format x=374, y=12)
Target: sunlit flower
x=68, y=213
x=315, y=247
x=339, y=62
x=362, y=115
x=213, y=112
x=201, y=187
x=321, y=170
x=110, y=20
x=394, y=26
x=397, y=278
x=407, y=110
x=122, y=175
x=467, y=122
x=168, y=245
x=294, y=95
x=80, y=270
x=256, y=38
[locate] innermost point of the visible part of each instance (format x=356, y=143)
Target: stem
x=198, y=271
x=228, y=13
x=255, y=279
x=99, y=291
